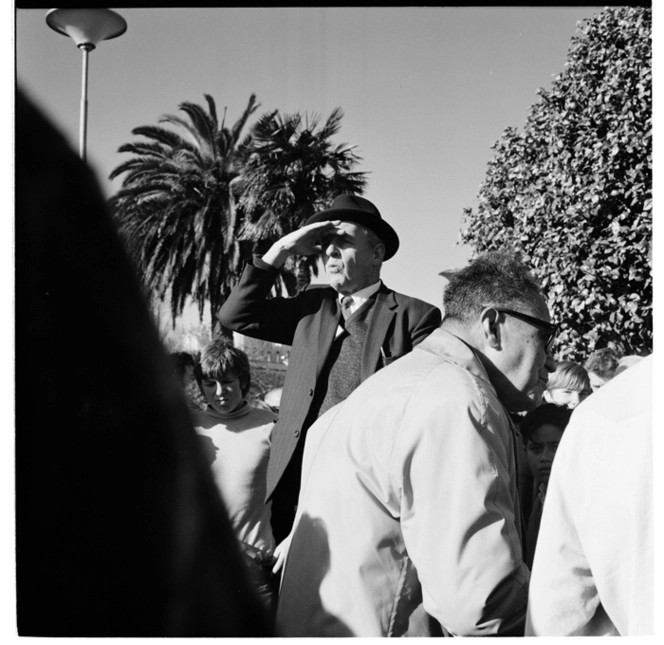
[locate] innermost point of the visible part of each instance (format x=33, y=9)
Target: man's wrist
x=276, y=256
x=260, y=263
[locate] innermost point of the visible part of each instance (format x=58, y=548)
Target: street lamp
x=86, y=27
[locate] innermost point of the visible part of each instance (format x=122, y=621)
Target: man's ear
x=490, y=328
x=379, y=253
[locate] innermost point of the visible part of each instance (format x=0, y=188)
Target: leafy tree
x=176, y=207
x=573, y=191
x=293, y=170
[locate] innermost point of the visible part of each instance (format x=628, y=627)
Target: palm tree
x=176, y=207
x=292, y=170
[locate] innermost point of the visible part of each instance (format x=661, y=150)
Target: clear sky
x=426, y=92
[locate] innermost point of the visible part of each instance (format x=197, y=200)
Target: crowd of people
x=403, y=485
x=417, y=475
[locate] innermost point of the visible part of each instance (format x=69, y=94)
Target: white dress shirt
x=359, y=298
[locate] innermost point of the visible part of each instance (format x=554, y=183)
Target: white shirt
x=358, y=298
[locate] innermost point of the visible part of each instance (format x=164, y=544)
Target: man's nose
x=219, y=388
x=332, y=250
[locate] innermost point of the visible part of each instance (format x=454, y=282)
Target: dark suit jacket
x=308, y=322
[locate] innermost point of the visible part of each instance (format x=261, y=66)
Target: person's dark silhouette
x=120, y=530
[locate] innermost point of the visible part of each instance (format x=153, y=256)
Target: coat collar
x=445, y=344
x=375, y=347
x=328, y=318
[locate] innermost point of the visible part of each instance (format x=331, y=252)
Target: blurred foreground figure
x=593, y=570
x=120, y=530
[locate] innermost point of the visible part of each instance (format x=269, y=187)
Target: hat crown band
x=358, y=210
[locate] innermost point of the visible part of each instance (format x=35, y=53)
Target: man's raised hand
x=303, y=241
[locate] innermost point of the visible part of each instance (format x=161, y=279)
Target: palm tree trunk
x=303, y=273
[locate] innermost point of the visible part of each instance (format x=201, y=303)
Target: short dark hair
x=496, y=278
x=569, y=375
x=181, y=361
x=556, y=415
x=220, y=356
x=603, y=362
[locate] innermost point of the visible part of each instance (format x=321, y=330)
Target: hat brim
x=379, y=226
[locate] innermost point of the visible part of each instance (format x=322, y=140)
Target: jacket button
x=311, y=392
x=297, y=433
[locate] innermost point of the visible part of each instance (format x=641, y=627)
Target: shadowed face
x=223, y=394
x=350, y=261
x=188, y=377
x=524, y=360
x=596, y=381
x=541, y=449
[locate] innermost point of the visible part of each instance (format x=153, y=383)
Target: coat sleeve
x=250, y=311
x=455, y=469
x=426, y=321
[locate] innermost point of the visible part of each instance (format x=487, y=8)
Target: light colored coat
x=409, y=492
x=594, y=565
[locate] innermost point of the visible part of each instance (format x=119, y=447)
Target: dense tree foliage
x=573, y=191
x=196, y=200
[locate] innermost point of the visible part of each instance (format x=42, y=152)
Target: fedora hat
x=356, y=209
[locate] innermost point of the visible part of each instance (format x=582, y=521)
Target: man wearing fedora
x=339, y=334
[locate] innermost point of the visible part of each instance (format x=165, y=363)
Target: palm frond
x=252, y=106
x=197, y=196
x=162, y=135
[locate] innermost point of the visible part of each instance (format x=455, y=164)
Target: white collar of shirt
x=359, y=298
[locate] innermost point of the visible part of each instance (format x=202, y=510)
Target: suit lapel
x=328, y=321
x=381, y=317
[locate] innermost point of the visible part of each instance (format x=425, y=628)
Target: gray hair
x=496, y=278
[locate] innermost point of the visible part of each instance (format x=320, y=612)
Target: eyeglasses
x=550, y=329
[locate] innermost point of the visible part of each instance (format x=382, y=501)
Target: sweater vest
x=342, y=372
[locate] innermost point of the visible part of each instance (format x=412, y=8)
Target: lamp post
x=86, y=27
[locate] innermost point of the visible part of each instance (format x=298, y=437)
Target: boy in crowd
x=601, y=366
x=568, y=385
x=541, y=429
x=237, y=437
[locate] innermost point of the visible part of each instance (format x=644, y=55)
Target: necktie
x=346, y=304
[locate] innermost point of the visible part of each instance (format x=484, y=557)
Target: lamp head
x=86, y=27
